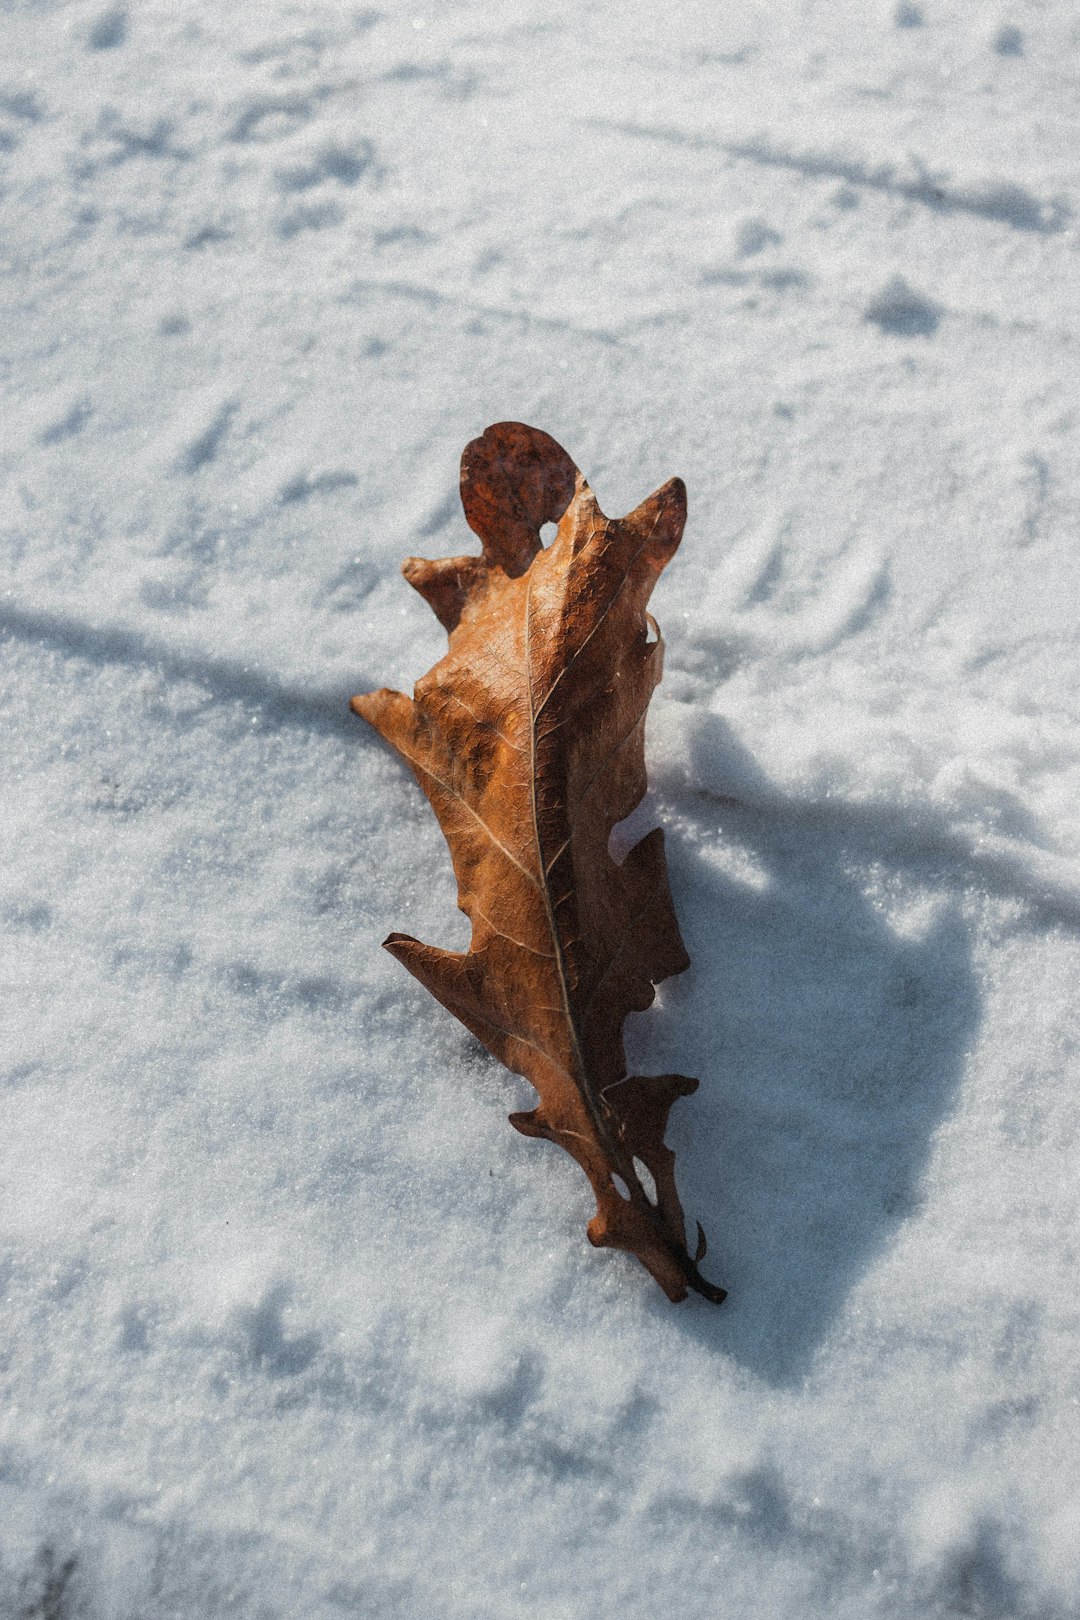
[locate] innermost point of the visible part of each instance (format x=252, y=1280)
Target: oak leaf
x=528, y=739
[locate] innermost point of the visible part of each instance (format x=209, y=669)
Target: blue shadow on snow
x=830, y=1046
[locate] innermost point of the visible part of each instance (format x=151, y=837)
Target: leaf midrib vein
x=581, y=1079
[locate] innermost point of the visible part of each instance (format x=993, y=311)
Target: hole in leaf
x=548, y=531
x=620, y=1187
x=645, y=1176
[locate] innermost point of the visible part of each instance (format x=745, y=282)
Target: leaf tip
x=531, y=1123
x=661, y=517
x=391, y=713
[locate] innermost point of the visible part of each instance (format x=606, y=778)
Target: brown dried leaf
x=528, y=739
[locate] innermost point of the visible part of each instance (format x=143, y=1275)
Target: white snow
x=293, y=1324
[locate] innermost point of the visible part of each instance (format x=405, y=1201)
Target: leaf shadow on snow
x=830, y=1046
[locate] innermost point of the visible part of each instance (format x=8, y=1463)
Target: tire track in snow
x=434, y=299
x=1004, y=202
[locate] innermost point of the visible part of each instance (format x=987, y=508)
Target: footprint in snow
x=197, y=431
x=332, y=163
x=759, y=598
x=268, y=1344
x=754, y=236
x=304, y=483
x=272, y=118
x=108, y=30
x=901, y=311
x=344, y=162
x=22, y=107
x=312, y=216
x=62, y=417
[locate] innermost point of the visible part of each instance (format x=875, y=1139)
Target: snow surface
x=293, y=1323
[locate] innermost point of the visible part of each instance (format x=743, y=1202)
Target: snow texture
x=293, y=1324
